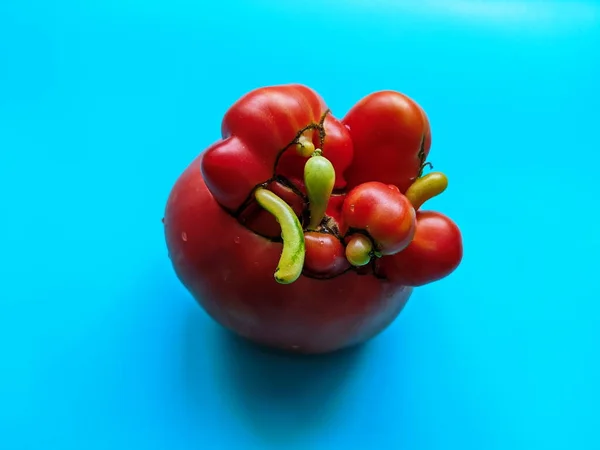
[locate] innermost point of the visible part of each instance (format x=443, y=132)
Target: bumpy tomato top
x=351, y=206
x=258, y=130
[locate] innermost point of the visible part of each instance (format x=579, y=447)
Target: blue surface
x=102, y=104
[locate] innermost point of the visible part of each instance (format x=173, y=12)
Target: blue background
x=103, y=104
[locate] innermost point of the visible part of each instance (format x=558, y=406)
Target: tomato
x=303, y=232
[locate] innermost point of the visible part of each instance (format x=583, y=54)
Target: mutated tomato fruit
x=303, y=232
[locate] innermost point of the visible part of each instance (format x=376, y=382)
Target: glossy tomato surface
x=231, y=276
x=334, y=183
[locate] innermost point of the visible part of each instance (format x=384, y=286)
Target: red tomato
x=435, y=252
x=261, y=238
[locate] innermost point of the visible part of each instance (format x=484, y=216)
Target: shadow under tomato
x=280, y=394
x=277, y=395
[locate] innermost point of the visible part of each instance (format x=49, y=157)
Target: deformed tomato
x=300, y=231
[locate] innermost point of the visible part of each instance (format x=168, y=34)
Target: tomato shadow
x=275, y=394
x=279, y=394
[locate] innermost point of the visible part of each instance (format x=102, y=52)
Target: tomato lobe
x=435, y=252
x=324, y=255
x=383, y=212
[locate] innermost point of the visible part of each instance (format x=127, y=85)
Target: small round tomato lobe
x=383, y=212
x=434, y=253
x=324, y=255
x=358, y=250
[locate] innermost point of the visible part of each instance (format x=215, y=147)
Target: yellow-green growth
x=319, y=178
x=291, y=260
x=427, y=187
x=359, y=250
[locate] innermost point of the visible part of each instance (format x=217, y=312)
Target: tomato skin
x=224, y=246
x=324, y=255
x=383, y=212
x=228, y=269
x=388, y=131
x=434, y=253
